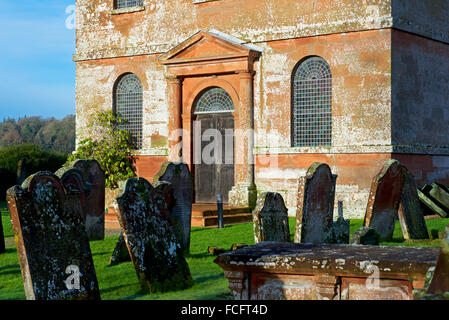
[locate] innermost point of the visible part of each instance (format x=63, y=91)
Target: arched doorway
x=213, y=145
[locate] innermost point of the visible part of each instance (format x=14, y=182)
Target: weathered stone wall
x=420, y=105
x=355, y=37
x=164, y=24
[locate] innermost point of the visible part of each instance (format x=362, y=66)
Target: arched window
x=312, y=103
x=120, y=4
x=214, y=99
x=128, y=103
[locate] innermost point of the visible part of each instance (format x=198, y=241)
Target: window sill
x=127, y=10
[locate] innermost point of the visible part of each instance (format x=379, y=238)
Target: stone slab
x=315, y=212
x=178, y=174
x=155, y=250
x=270, y=219
x=384, y=199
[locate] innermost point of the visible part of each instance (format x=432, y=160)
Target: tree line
x=49, y=134
x=33, y=144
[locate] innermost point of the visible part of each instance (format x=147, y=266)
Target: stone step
x=200, y=218
x=213, y=212
x=212, y=221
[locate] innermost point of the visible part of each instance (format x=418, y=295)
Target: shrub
x=110, y=145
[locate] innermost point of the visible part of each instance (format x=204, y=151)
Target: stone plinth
x=292, y=271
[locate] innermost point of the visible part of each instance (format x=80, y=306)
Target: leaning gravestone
x=151, y=239
x=314, y=216
x=437, y=283
x=440, y=280
x=384, y=200
x=270, y=219
x=165, y=200
x=52, y=243
x=94, y=216
x=179, y=176
x=411, y=213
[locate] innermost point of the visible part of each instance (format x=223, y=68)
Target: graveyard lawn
x=120, y=281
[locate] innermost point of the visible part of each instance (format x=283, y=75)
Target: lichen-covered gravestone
x=270, y=219
x=165, y=200
x=411, y=213
x=151, y=238
x=179, y=176
x=384, y=200
x=51, y=240
x=94, y=216
x=316, y=195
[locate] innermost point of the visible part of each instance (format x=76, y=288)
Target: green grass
x=120, y=281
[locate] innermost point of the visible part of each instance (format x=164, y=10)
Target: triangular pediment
x=211, y=45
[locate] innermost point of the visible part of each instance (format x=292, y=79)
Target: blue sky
x=36, y=67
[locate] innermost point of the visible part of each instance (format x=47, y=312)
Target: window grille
x=214, y=100
x=312, y=104
x=119, y=4
x=128, y=103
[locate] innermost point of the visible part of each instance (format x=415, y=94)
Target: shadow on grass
x=208, y=278
x=15, y=269
x=123, y=286
x=198, y=255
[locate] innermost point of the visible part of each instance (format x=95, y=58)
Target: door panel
x=218, y=177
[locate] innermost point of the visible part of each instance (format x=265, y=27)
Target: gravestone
x=440, y=280
x=436, y=286
x=270, y=219
x=384, y=200
x=341, y=227
x=120, y=253
x=314, y=216
x=152, y=241
x=165, y=199
x=52, y=243
x=179, y=176
x=94, y=217
x=23, y=171
x=440, y=193
x=365, y=236
x=411, y=213
x=430, y=202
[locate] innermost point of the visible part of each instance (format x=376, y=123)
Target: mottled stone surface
x=315, y=212
x=278, y=271
x=95, y=176
x=384, y=199
x=120, y=253
x=440, y=280
x=50, y=236
x=365, y=236
x=179, y=176
x=411, y=213
x=270, y=219
x=152, y=241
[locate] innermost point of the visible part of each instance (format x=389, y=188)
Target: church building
x=265, y=88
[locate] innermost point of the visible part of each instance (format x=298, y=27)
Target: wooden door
x=218, y=176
